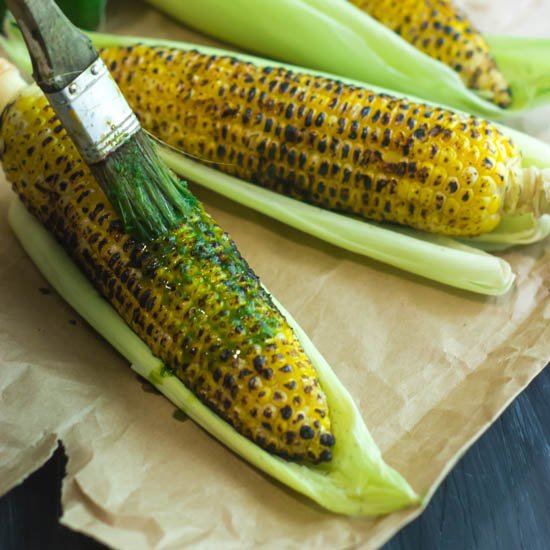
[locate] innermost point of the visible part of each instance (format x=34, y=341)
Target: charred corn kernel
x=190, y=295
x=320, y=141
x=440, y=30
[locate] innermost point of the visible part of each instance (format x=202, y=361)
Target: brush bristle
x=149, y=198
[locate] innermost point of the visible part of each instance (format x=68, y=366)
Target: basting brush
x=122, y=157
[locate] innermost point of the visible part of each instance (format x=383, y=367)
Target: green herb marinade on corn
x=190, y=296
x=337, y=146
x=440, y=30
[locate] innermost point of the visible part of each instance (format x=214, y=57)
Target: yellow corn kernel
x=440, y=30
x=318, y=140
x=189, y=295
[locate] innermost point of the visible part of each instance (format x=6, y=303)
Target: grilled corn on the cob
x=190, y=295
x=334, y=145
x=440, y=30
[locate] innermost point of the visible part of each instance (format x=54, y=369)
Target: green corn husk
x=462, y=264
x=336, y=37
x=526, y=63
x=86, y=14
x=356, y=482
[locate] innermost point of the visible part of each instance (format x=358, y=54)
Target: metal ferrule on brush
x=94, y=112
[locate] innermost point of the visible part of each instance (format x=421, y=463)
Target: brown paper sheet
x=430, y=368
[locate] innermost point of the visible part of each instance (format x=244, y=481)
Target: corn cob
x=190, y=295
x=333, y=145
x=440, y=30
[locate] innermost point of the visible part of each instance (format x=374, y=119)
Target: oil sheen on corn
x=337, y=146
x=189, y=295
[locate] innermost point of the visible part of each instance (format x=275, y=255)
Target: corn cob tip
x=440, y=30
x=491, y=84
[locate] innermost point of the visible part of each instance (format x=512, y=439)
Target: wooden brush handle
x=59, y=51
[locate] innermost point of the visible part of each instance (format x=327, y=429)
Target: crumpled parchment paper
x=430, y=367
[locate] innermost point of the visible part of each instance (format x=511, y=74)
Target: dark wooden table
x=497, y=497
